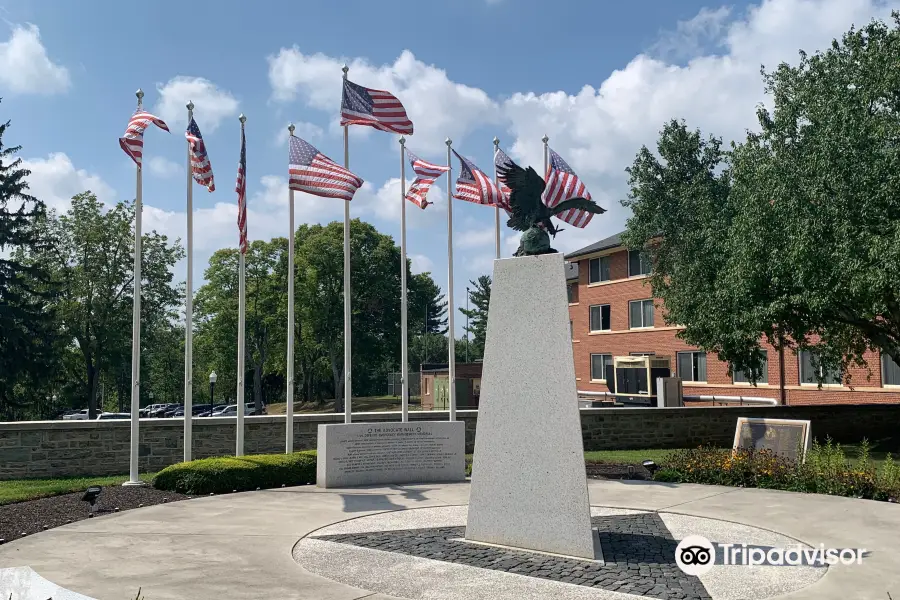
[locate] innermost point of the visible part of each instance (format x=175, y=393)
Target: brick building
x=612, y=314
x=435, y=386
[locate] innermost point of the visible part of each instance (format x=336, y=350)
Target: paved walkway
x=239, y=546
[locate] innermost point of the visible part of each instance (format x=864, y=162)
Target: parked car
x=113, y=416
x=215, y=410
x=170, y=411
x=80, y=415
x=179, y=412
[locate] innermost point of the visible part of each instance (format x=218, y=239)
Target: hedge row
x=227, y=474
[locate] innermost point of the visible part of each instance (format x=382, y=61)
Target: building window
x=890, y=370
x=692, y=366
x=812, y=374
x=741, y=377
x=640, y=313
x=600, y=317
x=637, y=263
x=599, y=362
x=572, y=291
x=598, y=269
x=571, y=330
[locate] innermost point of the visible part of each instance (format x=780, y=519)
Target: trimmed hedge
x=226, y=474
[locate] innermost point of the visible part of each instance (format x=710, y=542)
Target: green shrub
x=826, y=471
x=222, y=475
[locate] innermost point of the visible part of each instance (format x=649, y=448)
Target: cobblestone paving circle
x=639, y=552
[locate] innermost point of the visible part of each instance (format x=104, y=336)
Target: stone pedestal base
x=529, y=488
x=351, y=454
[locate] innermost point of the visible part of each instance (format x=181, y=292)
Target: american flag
x=473, y=185
x=314, y=173
x=562, y=184
x=375, y=108
x=426, y=174
x=200, y=165
x=241, y=189
x=501, y=160
x=133, y=140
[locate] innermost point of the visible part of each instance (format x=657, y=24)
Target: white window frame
x=599, y=260
x=691, y=352
x=590, y=323
x=885, y=357
x=642, y=326
x=591, y=366
x=641, y=262
x=814, y=384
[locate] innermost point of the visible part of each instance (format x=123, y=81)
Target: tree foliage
x=477, y=315
x=794, y=234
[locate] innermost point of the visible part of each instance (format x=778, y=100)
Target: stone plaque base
x=529, y=488
x=352, y=454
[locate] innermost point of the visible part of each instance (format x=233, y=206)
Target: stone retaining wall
x=77, y=448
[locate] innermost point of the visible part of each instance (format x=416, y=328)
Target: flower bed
x=826, y=471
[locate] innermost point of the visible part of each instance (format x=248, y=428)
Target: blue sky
x=599, y=78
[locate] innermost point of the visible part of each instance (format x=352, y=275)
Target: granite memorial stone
x=786, y=437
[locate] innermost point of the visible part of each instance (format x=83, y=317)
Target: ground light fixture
x=650, y=466
x=91, y=495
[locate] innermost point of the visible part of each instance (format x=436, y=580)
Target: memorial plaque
x=379, y=453
x=785, y=437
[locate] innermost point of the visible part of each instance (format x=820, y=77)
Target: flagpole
x=289, y=396
x=545, y=139
x=451, y=364
x=189, y=308
x=497, y=207
x=133, y=478
x=348, y=395
x=404, y=366
x=242, y=308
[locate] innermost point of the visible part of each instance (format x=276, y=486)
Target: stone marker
x=529, y=488
x=380, y=453
x=786, y=437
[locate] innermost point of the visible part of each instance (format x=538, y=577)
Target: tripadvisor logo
x=696, y=555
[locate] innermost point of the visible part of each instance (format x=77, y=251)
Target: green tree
x=427, y=306
x=91, y=263
x=27, y=334
x=804, y=249
x=479, y=300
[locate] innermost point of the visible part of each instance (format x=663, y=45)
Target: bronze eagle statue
x=529, y=214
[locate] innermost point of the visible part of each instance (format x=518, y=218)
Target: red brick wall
x=864, y=388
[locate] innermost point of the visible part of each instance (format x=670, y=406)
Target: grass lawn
x=362, y=404
x=31, y=489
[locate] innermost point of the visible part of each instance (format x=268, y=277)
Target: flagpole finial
x=190, y=105
x=448, y=141
x=242, y=119
x=496, y=141
x=402, y=140
x=345, y=68
x=291, y=129
x=545, y=139
x=140, y=96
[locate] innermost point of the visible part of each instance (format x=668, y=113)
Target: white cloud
x=25, y=67
x=163, y=167
x=211, y=103
x=308, y=131
x=474, y=238
x=421, y=263
x=437, y=106
x=384, y=204
x=54, y=180
x=690, y=37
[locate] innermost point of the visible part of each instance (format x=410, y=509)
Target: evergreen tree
x=479, y=299
x=26, y=325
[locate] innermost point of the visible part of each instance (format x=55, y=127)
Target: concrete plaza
x=245, y=546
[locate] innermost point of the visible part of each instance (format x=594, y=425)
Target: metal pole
x=496, y=208
x=133, y=478
x=289, y=395
x=404, y=367
x=545, y=139
x=467, y=323
x=189, y=309
x=348, y=392
x=451, y=370
x=242, y=309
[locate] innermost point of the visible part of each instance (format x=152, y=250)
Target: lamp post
x=467, y=323
x=53, y=406
x=212, y=389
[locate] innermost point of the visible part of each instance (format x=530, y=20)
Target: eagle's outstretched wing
x=577, y=204
x=526, y=188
